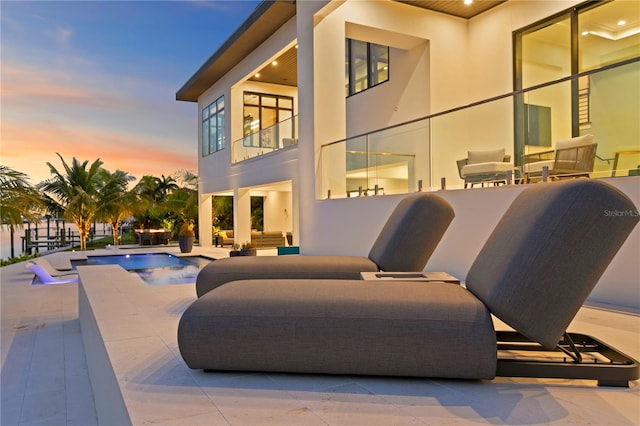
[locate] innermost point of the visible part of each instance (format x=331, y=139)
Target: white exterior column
x=205, y=224
x=295, y=212
x=241, y=215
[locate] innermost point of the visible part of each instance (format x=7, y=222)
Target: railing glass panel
x=430, y=153
x=279, y=136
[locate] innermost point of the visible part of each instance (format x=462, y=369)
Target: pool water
x=154, y=269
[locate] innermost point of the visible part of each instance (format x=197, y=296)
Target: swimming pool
x=154, y=268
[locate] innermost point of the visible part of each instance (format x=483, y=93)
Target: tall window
x=213, y=127
x=586, y=38
x=262, y=111
x=366, y=65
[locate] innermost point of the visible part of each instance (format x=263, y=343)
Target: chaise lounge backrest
x=419, y=220
x=548, y=252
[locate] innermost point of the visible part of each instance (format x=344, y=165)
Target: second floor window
x=263, y=111
x=213, y=127
x=366, y=65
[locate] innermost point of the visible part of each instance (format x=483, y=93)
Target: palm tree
x=156, y=188
x=19, y=201
x=147, y=193
x=189, y=179
x=153, y=192
x=147, y=187
x=76, y=193
x=166, y=185
x=116, y=203
x=181, y=204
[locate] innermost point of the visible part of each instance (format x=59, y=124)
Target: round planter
x=186, y=244
x=249, y=252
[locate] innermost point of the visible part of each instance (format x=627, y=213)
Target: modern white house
x=333, y=110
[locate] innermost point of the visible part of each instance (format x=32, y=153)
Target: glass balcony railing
x=279, y=136
x=522, y=128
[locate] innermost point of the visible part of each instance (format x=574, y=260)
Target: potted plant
x=186, y=236
x=248, y=249
x=216, y=236
x=235, y=250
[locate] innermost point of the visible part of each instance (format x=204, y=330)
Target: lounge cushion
x=486, y=168
x=412, y=233
x=266, y=267
x=340, y=327
x=537, y=166
x=405, y=243
x=548, y=252
x=490, y=156
x=574, y=142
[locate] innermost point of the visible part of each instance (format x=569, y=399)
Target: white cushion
x=574, y=142
x=486, y=168
x=538, y=165
x=485, y=156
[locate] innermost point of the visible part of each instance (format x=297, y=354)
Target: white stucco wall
x=350, y=227
x=278, y=213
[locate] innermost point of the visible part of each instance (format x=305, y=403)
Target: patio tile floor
x=45, y=377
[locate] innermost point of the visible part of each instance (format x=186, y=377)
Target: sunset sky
x=97, y=79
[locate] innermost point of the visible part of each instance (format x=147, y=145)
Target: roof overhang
x=265, y=20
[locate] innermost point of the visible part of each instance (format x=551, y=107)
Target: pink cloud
x=29, y=149
x=21, y=85
x=90, y=116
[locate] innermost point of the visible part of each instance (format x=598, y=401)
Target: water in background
x=5, y=235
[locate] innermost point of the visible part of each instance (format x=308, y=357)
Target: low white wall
x=110, y=406
x=349, y=226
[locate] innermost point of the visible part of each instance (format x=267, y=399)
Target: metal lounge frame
x=577, y=356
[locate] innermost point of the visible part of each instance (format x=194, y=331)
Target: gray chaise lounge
x=405, y=243
x=534, y=272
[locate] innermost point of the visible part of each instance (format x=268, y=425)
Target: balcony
x=422, y=154
x=282, y=135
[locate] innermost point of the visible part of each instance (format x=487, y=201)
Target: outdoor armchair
x=573, y=157
x=484, y=167
x=405, y=243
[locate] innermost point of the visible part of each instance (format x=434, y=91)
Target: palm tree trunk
x=114, y=231
x=11, y=231
x=83, y=230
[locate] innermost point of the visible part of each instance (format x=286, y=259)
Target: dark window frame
x=372, y=77
x=261, y=106
x=213, y=115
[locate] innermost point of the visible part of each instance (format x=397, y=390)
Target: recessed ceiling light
x=257, y=75
x=274, y=63
x=622, y=22
x=468, y=1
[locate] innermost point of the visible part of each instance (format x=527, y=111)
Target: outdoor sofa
x=405, y=243
x=534, y=273
x=260, y=239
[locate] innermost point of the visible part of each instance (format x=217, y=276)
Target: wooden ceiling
x=285, y=72
x=455, y=7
